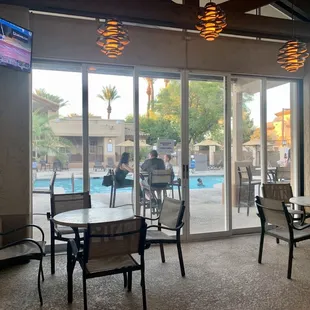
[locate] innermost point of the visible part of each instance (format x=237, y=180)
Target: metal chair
x=50, y=190
x=158, y=181
x=108, y=249
x=283, y=192
x=171, y=219
x=22, y=249
x=275, y=212
x=62, y=203
x=247, y=183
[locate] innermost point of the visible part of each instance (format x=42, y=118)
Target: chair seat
x=108, y=263
x=156, y=236
x=65, y=230
x=26, y=248
x=283, y=233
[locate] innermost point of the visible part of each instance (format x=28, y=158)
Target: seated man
x=152, y=163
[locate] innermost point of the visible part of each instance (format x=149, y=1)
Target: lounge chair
x=98, y=165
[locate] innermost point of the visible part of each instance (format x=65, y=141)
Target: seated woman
x=122, y=170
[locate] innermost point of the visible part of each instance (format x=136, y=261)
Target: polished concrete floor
x=220, y=274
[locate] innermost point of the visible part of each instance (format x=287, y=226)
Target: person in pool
x=199, y=182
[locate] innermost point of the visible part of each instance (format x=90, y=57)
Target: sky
x=68, y=85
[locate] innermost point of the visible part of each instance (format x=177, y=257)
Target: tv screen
x=15, y=46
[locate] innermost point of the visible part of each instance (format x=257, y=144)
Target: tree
x=44, y=94
x=109, y=94
x=43, y=138
x=150, y=95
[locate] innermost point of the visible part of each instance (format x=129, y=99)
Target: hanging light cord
x=293, y=18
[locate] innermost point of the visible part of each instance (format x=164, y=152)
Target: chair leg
x=143, y=290
x=278, y=240
x=42, y=274
x=181, y=258
x=70, y=268
x=162, y=252
x=261, y=246
x=39, y=282
x=125, y=279
x=129, y=281
x=290, y=260
x=249, y=200
x=84, y=292
x=239, y=202
x=52, y=251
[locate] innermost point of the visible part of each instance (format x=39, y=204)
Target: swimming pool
x=96, y=184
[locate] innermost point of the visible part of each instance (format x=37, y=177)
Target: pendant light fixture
x=293, y=54
x=211, y=21
x=113, y=37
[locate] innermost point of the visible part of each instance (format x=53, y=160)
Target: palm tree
x=44, y=94
x=109, y=94
x=150, y=95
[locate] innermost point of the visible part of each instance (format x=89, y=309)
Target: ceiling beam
x=243, y=6
x=168, y=14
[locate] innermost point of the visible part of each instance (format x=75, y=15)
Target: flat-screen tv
x=15, y=46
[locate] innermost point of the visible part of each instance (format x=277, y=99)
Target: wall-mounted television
x=15, y=46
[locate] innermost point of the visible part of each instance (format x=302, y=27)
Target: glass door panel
x=160, y=122
x=281, y=96
x=206, y=153
x=111, y=130
x=56, y=133
x=246, y=150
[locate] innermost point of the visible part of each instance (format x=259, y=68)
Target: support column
x=15, y=138
x=237, y=140
x=306, y=89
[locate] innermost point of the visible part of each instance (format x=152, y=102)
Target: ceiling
x=254, y=18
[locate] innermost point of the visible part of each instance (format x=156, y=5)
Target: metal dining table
x=301, y=200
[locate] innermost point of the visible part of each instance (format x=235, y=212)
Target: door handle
x=187, y=172
x=183, y=172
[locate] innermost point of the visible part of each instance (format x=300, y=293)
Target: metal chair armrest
x=167, y=228
x=23, y=227
x=147, y=218
x=300, y=227
x=23, y=241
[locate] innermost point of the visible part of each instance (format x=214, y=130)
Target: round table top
x=301, y=200
x=82, y=217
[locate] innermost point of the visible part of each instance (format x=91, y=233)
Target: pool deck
x=207, y=213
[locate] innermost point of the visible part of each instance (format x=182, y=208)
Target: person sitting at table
x=168, y=165
x=122, y=170
x=153, y=163
x=150, y=164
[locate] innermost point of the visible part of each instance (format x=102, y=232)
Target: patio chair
x=116, y=186
x=50, y=190
x=98, y=165
x=110, y=163
x=108, y=249
x=158, y=181
x=283, y=192
x=62, y=203
x=275, y=212
x=23, y=249
x=247, y=183
x=171, y=219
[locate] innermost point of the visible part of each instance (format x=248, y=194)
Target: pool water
x=96, y=184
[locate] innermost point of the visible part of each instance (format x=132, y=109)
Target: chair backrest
x=52, y=182
x=273, y=212
x=160, y=178
x=243, y=174
x=115, y=238
x=68, y=202
x=278, y=191
x=110, y=162
x=283, y=173
x=172, y=212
